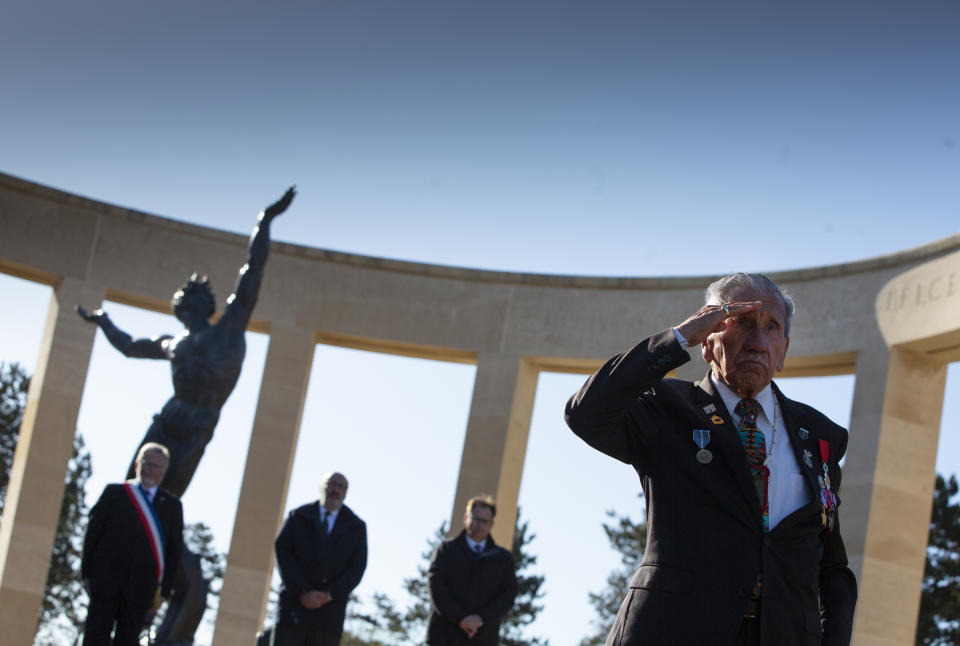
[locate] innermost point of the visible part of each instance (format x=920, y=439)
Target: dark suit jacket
x=705, y=542
x=334, y=564
x=117, y=557
x=463, y=583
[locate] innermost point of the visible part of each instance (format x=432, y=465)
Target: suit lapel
x=801, y=442
x=340, y=526
x=729, y=446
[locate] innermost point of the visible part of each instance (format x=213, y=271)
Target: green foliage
x=939, y=621
x=526, y=607
x=63, y=610
x=629, y=539
x=13, y=399
x=390, y=623
x=198, y=538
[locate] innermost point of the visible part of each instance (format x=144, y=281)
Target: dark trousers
x=103, y=612
x=303, y=635
x=749, y=634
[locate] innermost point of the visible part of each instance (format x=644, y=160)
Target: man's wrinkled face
x=151, y=468
x=746, y=354
x=332, y=491
x=478, y=523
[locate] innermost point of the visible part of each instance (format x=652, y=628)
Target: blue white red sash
x=151, y=524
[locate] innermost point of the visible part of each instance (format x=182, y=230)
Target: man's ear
x=706, y=349
x=780, y=362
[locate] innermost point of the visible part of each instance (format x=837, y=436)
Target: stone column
x=859, y=470
x=496, y=441
x=35, y=492
x=266, y=477
x=900, y=498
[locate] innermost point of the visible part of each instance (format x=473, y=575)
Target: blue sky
x=601, y=138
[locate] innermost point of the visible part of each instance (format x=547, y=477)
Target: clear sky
x=601, y=138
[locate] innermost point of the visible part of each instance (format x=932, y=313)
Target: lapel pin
x=716, y=419
x=808, y=458
x=709, y=408
x=804, y=433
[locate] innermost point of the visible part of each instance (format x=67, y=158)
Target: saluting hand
x=713, y=318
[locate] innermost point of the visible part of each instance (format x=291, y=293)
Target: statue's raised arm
x=152, y=348
x=240, y=303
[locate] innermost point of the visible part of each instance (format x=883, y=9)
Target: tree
x=629, y=539
x=198, y=538
x=939, y=621
x=387, y=622
x=64, y=605
x=394, y=626
x=529, y=591
x=14, y=382
x=62, y=610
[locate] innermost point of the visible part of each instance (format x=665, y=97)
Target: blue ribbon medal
x=701, y=437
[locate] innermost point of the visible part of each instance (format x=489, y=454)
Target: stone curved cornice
x=418, y=308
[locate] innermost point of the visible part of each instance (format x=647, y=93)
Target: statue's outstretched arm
x=244, y=297
x=155, y=348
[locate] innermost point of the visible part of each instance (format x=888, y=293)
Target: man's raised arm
x=153, y=348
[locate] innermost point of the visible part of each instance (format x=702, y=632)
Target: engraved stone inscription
x=922, y=293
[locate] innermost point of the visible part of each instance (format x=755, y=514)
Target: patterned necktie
x=755, y=446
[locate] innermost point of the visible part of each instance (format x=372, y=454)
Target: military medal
x=701, y=437
x=828, y=499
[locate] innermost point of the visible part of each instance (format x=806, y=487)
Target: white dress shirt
x=151, y=491
x=474, y=544
x=786, y=489
x=328, y=517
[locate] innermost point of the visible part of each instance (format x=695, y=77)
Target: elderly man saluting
x=743, y=543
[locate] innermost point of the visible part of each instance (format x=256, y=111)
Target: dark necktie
x=754, y=444
x=323, y=523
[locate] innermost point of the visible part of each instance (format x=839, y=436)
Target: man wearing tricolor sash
x=131, y=551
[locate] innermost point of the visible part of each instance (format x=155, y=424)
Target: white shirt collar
x=325, y=513
x=473, y=544
x=731, y=399
x=150, y=490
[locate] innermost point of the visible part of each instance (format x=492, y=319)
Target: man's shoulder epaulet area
x=304, y=509
x=819, y=420
x=669, y=386
x=168, y=494
x=349, y=514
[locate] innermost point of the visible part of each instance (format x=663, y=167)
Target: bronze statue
x=205, y=361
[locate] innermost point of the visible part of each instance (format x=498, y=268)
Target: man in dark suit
x=743, y=532
x=472, y=582
x=131, y=551
x=321, y=554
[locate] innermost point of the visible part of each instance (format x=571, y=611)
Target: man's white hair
x=153, y=446
x=721, y=291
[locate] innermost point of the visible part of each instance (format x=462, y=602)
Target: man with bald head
x=321, y=554
x=743, y=529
